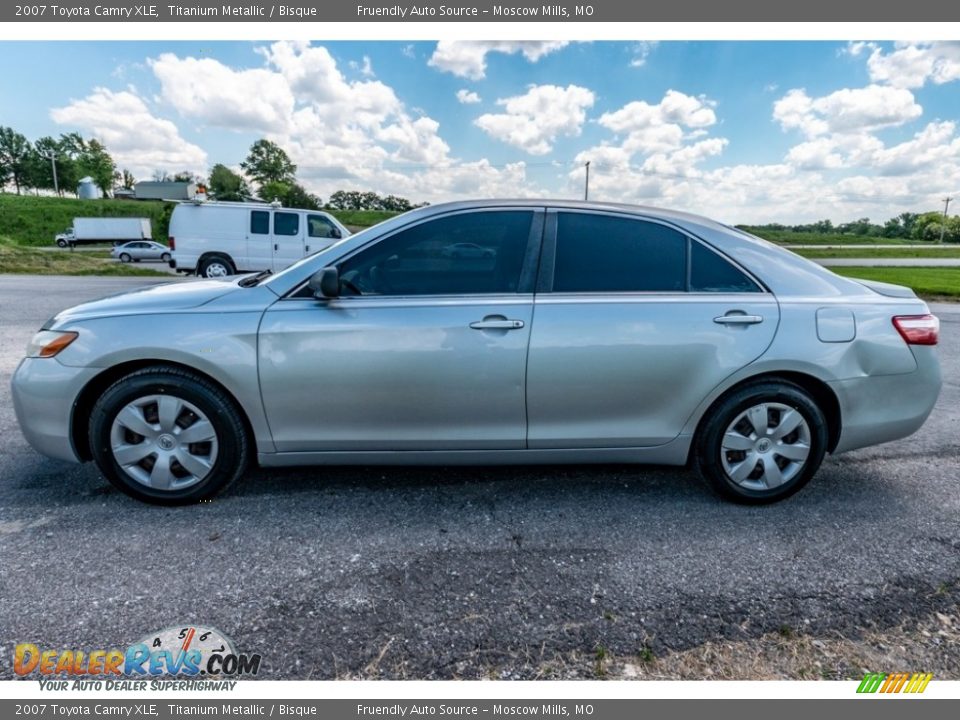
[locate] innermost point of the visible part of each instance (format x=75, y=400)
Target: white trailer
x=101, y=229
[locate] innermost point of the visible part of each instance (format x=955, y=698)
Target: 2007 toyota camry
x=577, y=333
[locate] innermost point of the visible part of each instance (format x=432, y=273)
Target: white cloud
x=365, y=68
x=911, y=65
x=205, y=89
x=342, y=134
x=641, y=51
x=849, y=110
x=137, y=139
x=535, y=120
x=467, y=97
x=817, y=154
x=469, y=58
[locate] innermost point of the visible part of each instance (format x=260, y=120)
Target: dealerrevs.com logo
x=889, y=683
x=187, y=651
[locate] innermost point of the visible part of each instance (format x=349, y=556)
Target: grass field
x=871, y=252
x=943, y=282
x=789, y=237
x=15, y=258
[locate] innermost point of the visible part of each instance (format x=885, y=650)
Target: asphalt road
x=468, y=572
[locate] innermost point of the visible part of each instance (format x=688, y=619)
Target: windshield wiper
x=252, y=280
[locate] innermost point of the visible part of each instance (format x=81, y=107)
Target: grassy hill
x=33, y=221
x=789, y=237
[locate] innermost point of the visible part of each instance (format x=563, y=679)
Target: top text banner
x=613, y=11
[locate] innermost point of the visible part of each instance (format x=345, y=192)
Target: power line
x=943, y=225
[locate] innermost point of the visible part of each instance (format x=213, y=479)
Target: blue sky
x=743, y=131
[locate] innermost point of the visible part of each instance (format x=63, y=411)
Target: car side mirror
x=335, y=233
x=325, y=284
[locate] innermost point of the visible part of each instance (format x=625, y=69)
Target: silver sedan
x=138, y=250
x=583, y=333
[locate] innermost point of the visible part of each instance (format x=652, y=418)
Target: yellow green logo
x=894, y=682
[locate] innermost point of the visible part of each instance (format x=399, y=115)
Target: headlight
x=48, y=343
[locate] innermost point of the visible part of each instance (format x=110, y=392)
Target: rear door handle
x=497, y=323
x=738, y=319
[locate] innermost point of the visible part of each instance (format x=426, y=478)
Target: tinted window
x=259, y=222
x=602, y=253
x=319, y=227
x=709, y=272
x=471, y=253
x=286, y=223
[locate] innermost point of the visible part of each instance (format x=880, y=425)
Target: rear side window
x=259, y=222
x=709, y=272
x=603, y=253
x=286, y=223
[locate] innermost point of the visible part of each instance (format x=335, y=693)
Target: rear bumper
x=880, y=408
x=43, y=393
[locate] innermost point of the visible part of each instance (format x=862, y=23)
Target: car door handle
x=738, y=319
x=497, y=323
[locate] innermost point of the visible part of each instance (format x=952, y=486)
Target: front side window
x=285, y=223
x=469, y=253
x=320, y=227
x=605, y=253
x=259, y=222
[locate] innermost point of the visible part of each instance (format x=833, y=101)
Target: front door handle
x=496, y=322
x=738, y=319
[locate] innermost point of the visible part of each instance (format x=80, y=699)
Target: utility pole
x=943, y=225
x=53, y=165
x=586, y=184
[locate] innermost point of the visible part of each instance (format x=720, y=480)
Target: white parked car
x=218, y=239
x=141, y=250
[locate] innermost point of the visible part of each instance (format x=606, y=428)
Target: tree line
x=268, y=174
x=908, y=225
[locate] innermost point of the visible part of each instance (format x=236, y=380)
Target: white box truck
x=216, y=239
x=102, y=229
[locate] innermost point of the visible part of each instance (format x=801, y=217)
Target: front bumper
x=876, y=409
x=44, y=392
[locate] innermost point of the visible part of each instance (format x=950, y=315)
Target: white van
x=214, y=239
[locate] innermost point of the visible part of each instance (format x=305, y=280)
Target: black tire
x=232, y=441
x=210, y=267
x=708, y=460
x=62, y=243
x=165, y=257
x=125, y=257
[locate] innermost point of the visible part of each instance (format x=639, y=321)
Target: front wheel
x=62, y=243
x=167, y=436
x=762, y=443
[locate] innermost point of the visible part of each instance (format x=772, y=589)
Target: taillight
x=918, y=329
x=172, y=243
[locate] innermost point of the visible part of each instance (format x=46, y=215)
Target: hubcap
x=163, y=442
x=765, y=446
x=216, y=270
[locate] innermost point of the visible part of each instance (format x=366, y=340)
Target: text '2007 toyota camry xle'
x=571, y=333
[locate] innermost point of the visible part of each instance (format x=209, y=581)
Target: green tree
x=14, y=154
x=127, y=180
x=298, y=197
x=268, y=163
x=95, y=161
x=274, y=190
x=187, y=177
x=225, y=184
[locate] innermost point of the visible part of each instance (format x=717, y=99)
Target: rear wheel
x=166, y=436
x=215, y=266
x=165, y=257
x=762, y=443
x=125, y=257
